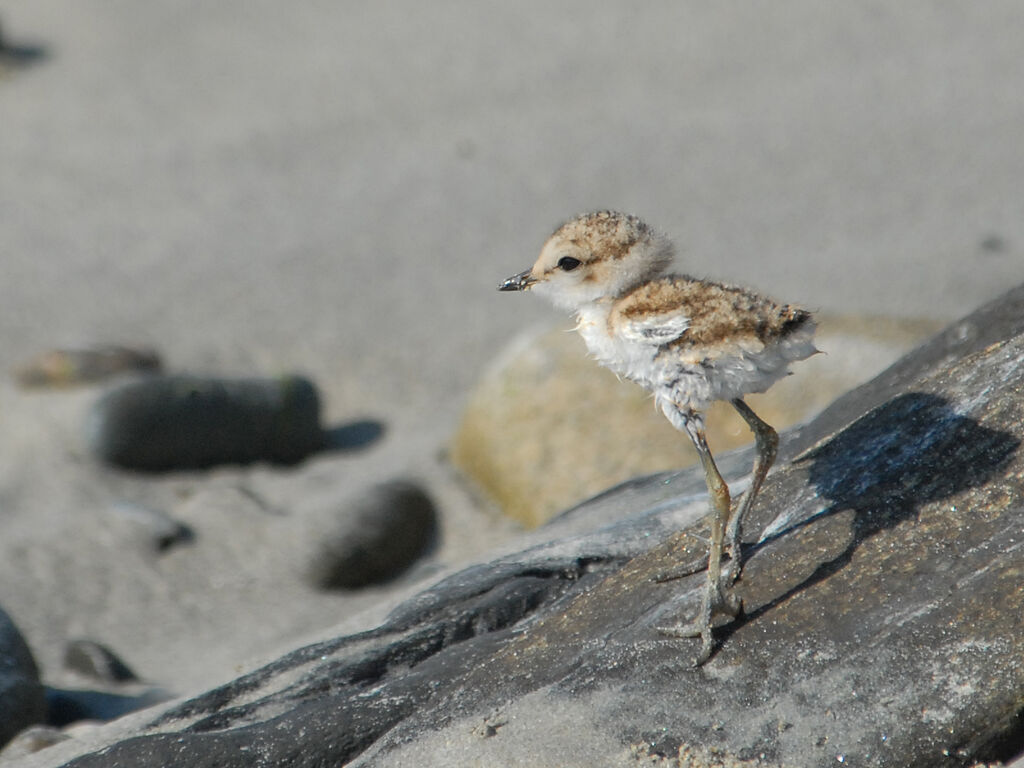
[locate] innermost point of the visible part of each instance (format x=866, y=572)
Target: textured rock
x=22, y=702
x=547, y=427
x=181, y=422
x=882, y=603
x=374, y=537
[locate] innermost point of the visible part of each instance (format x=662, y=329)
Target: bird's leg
x=715, y=600
x=767, y=446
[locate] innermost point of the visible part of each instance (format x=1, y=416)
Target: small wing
x=654, y=328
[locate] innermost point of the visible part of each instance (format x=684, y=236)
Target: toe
x=705, y=649
x=696, y=629
x=726, y=603
x=678, y=573
x=693, y=629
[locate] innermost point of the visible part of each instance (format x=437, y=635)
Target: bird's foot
x=731, y=570
x=733, y=550
x=715, y=603
x=680, y=572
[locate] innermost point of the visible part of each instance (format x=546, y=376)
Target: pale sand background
x=336, y=188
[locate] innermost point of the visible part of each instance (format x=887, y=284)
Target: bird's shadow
x=912, y=451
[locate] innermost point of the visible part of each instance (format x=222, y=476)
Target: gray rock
x=182, y=422
x=111, y=689
x=94, y=660
x=374, y=537
x=157, y=531
x=881, y=627
x=22, y=700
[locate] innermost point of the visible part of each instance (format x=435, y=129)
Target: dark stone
x=155, y=529
x=89, y=658
x=993, y=244
x=15, y=55
x=186, y=422
x=22, y=699
x=881, y=627
x=376, y=537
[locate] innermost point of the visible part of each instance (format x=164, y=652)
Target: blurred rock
x=372, y=538
x=22, y=701
x=547, y=427
x=96, y=661
x=188, y=422
x=156, y=529
x=17, y=55
x=65, y=367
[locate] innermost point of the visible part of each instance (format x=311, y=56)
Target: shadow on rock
x=912, y=451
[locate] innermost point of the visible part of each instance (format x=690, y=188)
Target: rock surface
x=882, y=602
x=22, y=702
x=547, y=427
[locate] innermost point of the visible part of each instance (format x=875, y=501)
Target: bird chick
x=690, y=342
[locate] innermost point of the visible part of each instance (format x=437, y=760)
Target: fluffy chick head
x=595, y=256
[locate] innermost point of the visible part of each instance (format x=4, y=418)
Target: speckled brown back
x=718, y=313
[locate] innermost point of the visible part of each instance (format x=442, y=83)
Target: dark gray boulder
x=185, y=422
x=373, y=537
x=882, y=614
x=22, y=698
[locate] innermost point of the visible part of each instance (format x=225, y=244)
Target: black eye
x=568, y=263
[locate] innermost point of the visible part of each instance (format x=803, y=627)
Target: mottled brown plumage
x=690, y=342
x=718, y=313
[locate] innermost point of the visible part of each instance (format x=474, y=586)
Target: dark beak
x=519, y=282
